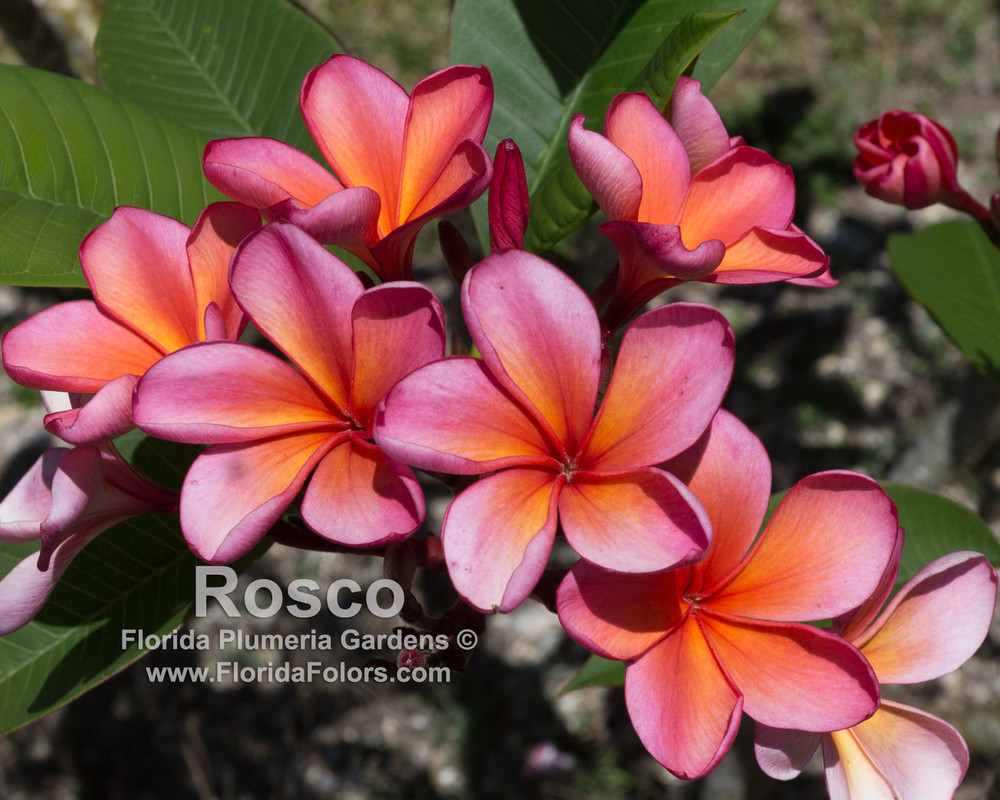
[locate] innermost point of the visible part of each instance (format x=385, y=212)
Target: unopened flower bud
x=906, y=159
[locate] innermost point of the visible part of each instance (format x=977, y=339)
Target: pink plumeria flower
x=932, y=626
x=525, y=412
x=400, y=160
x=158, y=286
x=272, y=425
x=685, y=202
x=709, y=642
x=69, y=496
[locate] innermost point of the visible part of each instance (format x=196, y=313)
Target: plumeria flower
x=723, y=637
x=158, y=286
x=525, y=413
x=66, y=499
x=400, y=160
x=930, y=628
x=685, y=202
x=271, y=425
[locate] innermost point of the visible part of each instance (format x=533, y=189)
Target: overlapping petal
x=735, y=500
x=265, y=172
x=689, y=349
x=538, y=334
x=765, y=254
x=619, y=615
x=300, y=296
x=448, y=116
x=793, y=676
x=395, y=329
x=357, y=116
x=901, y=752
x=743, y=189
x=228, y=392
x=935, y=623
x=234, y=493
x=638, y=128
x=358, y=497
x=609, y=175
x=694, y=719
x=497, y=535
x=639, y=522
x=48, y=350
x=214, y=237
x=137, y=267
x=698, y=124
x=823, y=552
x=105, y=416
x=452, y=416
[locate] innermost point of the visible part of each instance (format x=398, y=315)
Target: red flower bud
x=907, y=159
x=508, y=199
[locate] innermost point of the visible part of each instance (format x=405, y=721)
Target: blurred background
x=854, y=377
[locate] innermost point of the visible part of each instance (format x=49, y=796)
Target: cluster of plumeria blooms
x=659, y=492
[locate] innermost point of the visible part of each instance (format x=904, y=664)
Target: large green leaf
x=70, y=153
x=551, y=60
x=222, y=67
x=936, y=526
x=953, y=270
x=138, y=575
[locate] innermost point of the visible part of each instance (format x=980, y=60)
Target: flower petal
x=539, y=335
x=359, y=498
x=497, y=535
x=793, y=675
x=743, y=189
x=227, y=392
x=357, y=115
x=608, y=174
x=672, y=371
x=783, y=754
x=697, y=122
x=765, y=255
x=25, y=507
x=262, y=172
x=683, y=706
x=636, y=126
x=663, y=247
x=47, y=350
x=234, y=493
x=137, y=267
x=452, y=416
x=619, y=615
x=25, y=589
x=219, y=229
x=641, y=522
x=348, y=219
x=900, y=752
x=822, y=553
x=300, y=296
x=105, y=416
x=447, y=109
x=935, y=623
x=396, y=328
x=729, y=472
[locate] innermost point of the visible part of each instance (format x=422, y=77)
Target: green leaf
x=953, y=270
x=70, y=153
x=138, y=575
x=597, y=671
x=221, y=67
x=936, y=526
x=551, y=60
